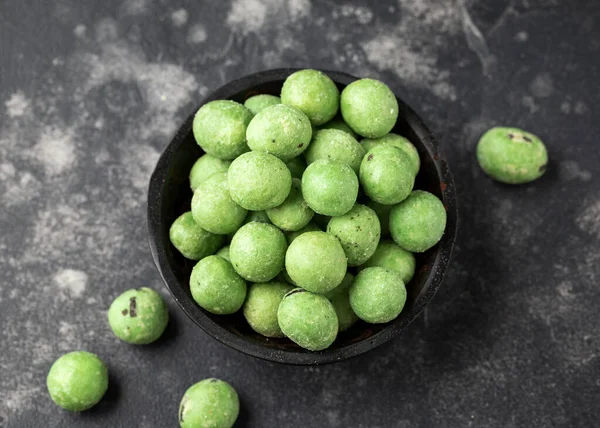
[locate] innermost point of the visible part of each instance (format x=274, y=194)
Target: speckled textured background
x=90, y=93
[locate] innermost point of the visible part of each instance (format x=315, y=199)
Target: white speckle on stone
x=107, y=30
x=135, y=7
x=565, y=289
x=55, y=150
x=196, y=34
x=58, y=62
x=72, y=281
x=588, y=219
x=13, y=294
x=79, y=31
x=247, y=15
x=529, y=102
x=297, y=9
x=69, y=331
x=17, y=105
x=363, y=15
x=542, y=85
x=179, y=17
x=99, y=123
x=565, y=107
x=7, y=171
x=581, y=108
x=570, y=170
x=522, y=36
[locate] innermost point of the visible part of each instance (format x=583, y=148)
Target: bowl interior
x=170, y=196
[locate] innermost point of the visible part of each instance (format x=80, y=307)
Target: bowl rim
x=298, y=357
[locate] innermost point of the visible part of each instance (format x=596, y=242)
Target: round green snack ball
x=391, y=256
x=338, y=123
x=340, y=299
x=310, y=227
x=216, y=287
x=259, y=216
x=257, y=251
x=77, y=381
x=418, y=222
x=220, y=128
x=396, y=141
x=191, y=240
x=511, y=155
x=260, y=102
x=387, y=175
x=308, y=319
x=377, y=295
x=329, y=187
x=383, y=213
x=224, y=252
x=138, y=316
x=213, y=208
x=259, y=181
x=204, y=167
x=281, y=130
x=260, y=308
x=358, y=231
x=316, y=261
x=296, y=166
x=211, y=403
x=369, y=107
x=294, y=213
x=314, y=93
x=335, y=145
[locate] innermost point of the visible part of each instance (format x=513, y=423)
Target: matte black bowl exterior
x=169, y=196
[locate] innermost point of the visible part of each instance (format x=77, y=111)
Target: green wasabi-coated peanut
x=204, y=167
x=335, y=145
x=77, y=381
x=310, y=227
x=396, y=141
x=316, y=261
x=329, y=187
x=377, y=295
x=258, y=216
x=259, y=181
x=511, y=155
x=260, y=308
x=418, y=222
x=191, y=240
x=383, y=213
x=138, y=316
x=314, y=93
x=280, y=130
x=338, y=123
x=369, y=107
x=297, y=307
x=257, y=251
x=340, y=299
x=258, y=103
x=296, y=166
x=387, y=175
x=216, y=287
x=391, y=256
x=294, y=213
x=220, y=128
x=211, y=403
x=224, y=252
x=213, y=209
x=358, y=231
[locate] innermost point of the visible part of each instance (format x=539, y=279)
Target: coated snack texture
x=391, y=256
x=191, y=240
x=294, y=213
x=258, y=103
x=216, y=286
x=211, y=403
x=260, y=308
x=335, y=145
x=314, y=93
x=204, y=167
x=387, y=174
x=377, y=295
x=329, y=187
x=396, y=141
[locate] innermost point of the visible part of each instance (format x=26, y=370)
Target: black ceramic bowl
x=169, y=196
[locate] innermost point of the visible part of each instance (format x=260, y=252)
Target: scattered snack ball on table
x=258, y=103
x=511, y=155
x=138, y=316
x=191, y=240
x=260, y=308
x=329, y=187
x=77, y=381
x=335, y=145
x=204, y=167
x=377, y=295
x=396, y=141
x=211, y=403
x=294, y=213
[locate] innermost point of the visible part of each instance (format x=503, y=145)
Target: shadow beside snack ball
x=169, y=195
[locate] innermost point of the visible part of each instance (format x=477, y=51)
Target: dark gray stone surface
x=90, y=93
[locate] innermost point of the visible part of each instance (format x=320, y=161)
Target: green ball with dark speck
x=338, y=123
x=296, y=166
x=511, y=155
x=340, y=299
x=260, y=308
x=213, y=208
x=310, y=227
x=258, y=103
x=383, y=213
x=314, y=93
x=220, y=128
x=216, y=287
x=369, y=107
x=391, y=256
x=77, y=381
x=191, y=240
x=308, y=319
x=211, y=403
x=204, y=167
x=329, y=187
x=280, y=130
x=259, y=181
x=335, y=145
x=358, y=231
x=387, y=174
x=294, y=213
x=396, y=141
x=257, y=251
x=377, y=295
x=418, y=222
x=138, y=316
x=224, y=252
x=316, y=262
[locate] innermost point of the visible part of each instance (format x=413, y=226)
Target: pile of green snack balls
x=304, y=214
